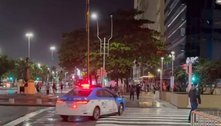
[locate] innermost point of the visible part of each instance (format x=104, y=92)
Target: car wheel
x=96, y=113
x=64, y=117
x=121, y=109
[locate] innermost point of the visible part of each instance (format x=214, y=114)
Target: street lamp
x=52, y=48
x=172, y=74
x=29, y=35
x=88, y=35
x=39, y=65
x=161, y=77
x=94, y=16
x=158, y=70
x=104, y=46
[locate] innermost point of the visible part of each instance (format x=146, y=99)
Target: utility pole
x=104, y=48
x=161, y=77
x=88, y=37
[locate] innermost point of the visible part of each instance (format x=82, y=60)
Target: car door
x=101, y=101
x=111, y=104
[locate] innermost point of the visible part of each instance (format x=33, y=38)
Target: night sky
x=47, y=19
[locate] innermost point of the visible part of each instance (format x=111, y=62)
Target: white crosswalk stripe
x=147, y=117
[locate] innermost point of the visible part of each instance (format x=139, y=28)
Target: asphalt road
x=43, y=117
x=10, y=113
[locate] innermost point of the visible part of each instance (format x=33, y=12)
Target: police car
x=89, y=101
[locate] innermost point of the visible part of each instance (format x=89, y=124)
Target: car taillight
x=82, y=102
x=60, y=101
x=74, y=106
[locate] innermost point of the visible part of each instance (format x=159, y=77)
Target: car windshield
x=77, y=92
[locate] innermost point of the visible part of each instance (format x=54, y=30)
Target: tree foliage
x=209, y=72
x=6, y=65
x=73, y=50
x=18, y=71
x=131, y=41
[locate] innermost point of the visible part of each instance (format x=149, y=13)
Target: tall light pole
x=161, y=77
x=29, y=35
x=104, y=45
x=39, y=65
x=94, y=16
x=52, y=49
x=172, y=74
x=88, y=36
x=0, y=51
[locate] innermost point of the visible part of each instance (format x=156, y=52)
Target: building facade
x=153, y=10
x=191, y=29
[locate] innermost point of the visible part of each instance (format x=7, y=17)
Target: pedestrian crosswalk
x=147, y=117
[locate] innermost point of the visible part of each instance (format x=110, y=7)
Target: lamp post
x=172, y=75
x=94, y=16
x=29, y=35
x=88, y=36
x=52, y=49
x=104, y=46
x=161, y=77
x=39, y=65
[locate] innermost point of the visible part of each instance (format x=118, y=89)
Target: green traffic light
x=11, y=78
x=37, y=78
x=195, y=79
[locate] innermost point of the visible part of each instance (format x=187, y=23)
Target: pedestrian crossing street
x=148, y=117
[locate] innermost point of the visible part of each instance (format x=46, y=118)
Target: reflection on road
x=49, y=118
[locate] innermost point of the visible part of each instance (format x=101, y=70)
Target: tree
x=5, y=65
x=73, y=50
x=131, y=41
x=209, y=72
x=19, y=69
x=181, y=77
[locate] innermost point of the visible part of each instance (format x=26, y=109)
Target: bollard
x=11, y=100
x=39, y=101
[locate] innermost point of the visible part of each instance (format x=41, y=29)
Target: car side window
x=107, y=94
x=99, y=93
x=103, y=93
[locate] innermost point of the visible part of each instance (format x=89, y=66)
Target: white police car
x=89, y=101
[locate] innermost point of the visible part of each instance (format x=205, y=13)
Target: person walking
x=21, y=86
x=54, y=88
x=138, y=88
x=37, y=87
x=195, y=99
x=132, y=90
x=61, y=86
x=47, y=89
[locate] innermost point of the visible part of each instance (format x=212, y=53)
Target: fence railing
x=206, y=118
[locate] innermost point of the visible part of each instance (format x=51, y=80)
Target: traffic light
x=195, y=79
x=11, y=78
x=37, y=78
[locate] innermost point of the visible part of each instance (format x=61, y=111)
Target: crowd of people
x=49, y=88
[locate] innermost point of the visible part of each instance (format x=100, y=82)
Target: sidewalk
x=38, y=99
x=147, y=100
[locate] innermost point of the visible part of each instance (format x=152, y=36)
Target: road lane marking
x=26, y=117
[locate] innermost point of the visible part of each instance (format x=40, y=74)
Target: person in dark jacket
x=138, y=88
x=195, y=99
x=132, y=90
